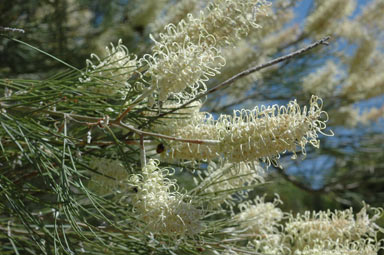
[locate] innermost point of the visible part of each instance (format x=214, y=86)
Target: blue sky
x=304, y=5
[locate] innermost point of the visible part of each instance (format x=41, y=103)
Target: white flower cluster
x=354, y=248
x=198, y=126
x=184, y=66
x=343, y=227
x=249, y=135
x=159, y=209
x=259, y=218
x=266, y=132
x=259, y=221
x=112, y=72
x=270, y=231
x=184, y=57
x=188, y=54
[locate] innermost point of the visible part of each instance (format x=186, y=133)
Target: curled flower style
x=249, y=135
x=160, y=210
x=223, y=22
x=309, y=229
x=259, y=223
x=200, y=125
x=112, y=72
x=183, y=69
x=353, y=248
x=259, y=218
x=266, y=132
x=187, y=54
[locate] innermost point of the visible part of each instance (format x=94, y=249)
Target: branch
x=144, y=133
x=244, y=73
x=95, y=121
x=12, y=29
x=143, y=159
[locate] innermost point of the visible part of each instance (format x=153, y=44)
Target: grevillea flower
x=111, y=73
x=249, y=135
x=266, y=132
x=159, y=209
x=199, y=126
x=183, y=69
x=259, y=218
x=309, y=229
x=187, y=54
x=223, y=23
x=360, y=247
x=258, y=222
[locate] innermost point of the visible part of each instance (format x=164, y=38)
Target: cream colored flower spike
x=249, y=135
x=186, y=55
x=266, y=132
x=339, y=229
x=159, y=209
x=112, y=72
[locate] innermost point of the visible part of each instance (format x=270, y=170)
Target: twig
x=121, y=116
x=12, y=29
x=145, y=133
x=92, y=121
x=129, y=108
x=143, y=159
x=231, y=80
